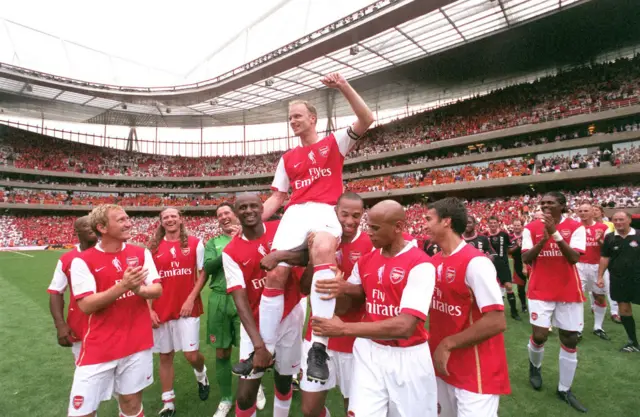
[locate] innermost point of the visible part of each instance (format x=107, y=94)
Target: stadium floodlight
x=269, y=82
x=28, y=88
x=354, y=50
x=124, y=106
x=168, y=110
x=213, y=102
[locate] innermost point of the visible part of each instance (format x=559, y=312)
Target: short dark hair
x=454, y=209
x=562, y=200
x=493, y=218
x=225, y=204
x=350, y=195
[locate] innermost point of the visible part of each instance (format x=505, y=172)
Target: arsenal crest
x=396, y=275
x=324, y=151
x=565, y=233
x=354, y=256
x=598, y=234
x=450, y=275
x=186, y=251
x=78, y=400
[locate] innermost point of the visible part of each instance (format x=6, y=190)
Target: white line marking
x=20, y=253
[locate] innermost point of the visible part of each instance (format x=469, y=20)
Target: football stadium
x=172, y=131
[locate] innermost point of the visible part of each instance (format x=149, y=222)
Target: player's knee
x=508, y=287
x=311, y=409
x=277, y=278
x=192, y=357
x=283, y=383
x=130, y=404
x=539, y=338
x=600, y=300
x=223, y=353
x=624, y=309
x=569, y=339
x=324, y=250
x=166, y=358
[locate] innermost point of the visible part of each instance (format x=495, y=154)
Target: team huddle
x=371, y=293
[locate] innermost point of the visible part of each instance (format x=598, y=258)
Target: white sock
x=598, y=316
x=613, y=306
x=321, y=308
x=138, y=414
x=536, y=353
x=202, y=376
x=281, y=404
x=168, y=398
x=271, y=310
x=304, y=303
x=568, y=365
x=593, y=301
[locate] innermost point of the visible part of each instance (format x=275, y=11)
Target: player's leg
x=167, y=374
x=343, y=364
x=568, y=317
x=246, y=394
x=600, y=303
x=369, y=396
x=92, y=384
x=283, y=394
x=511, y=297
x=133, y=374
x=540, y=313
x=613, y=304
x=520, y=280
x=314, y=395
x=626, y=315
x=447, y=403
x=189, y=333
x=223, y=331
x=410, y=380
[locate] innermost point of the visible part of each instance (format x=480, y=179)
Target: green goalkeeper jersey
x=213, y=263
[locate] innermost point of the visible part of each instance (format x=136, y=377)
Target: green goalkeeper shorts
x=223, y=322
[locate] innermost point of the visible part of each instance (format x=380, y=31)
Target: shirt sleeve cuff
x=156, y=281
x=415, y=313
x=580, y=251
x=84, y=294
x=492, y=307
x=275, y=188
x=50, y=291
x=234, y=288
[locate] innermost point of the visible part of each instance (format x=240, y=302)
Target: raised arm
x=359, y=107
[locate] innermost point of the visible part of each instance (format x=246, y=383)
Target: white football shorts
x=301, y=219
x=178, y=335
x=456, y=402
x=589, y=278
x=565, y=316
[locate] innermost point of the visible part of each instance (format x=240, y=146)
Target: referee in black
x=620, y=253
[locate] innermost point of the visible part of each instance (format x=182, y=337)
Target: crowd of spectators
x=26, y=230
x=582, y=90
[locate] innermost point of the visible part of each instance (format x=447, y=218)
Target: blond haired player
x=111, y=283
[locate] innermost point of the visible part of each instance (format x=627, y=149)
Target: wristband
x=557, y=236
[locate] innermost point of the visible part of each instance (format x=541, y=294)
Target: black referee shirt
x=623, y=254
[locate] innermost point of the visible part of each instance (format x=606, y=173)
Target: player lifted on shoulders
x=111, y=283
x=313, y=172
x=245, y=282
x=467, y=319
x=71, y=330
x=553, y=246
x=179, y=259
x=500, y=243
x=392, y=371
x=588, y=267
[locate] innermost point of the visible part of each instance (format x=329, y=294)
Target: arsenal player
x=71, y=330
x=519, y=273
x=588, y=267
x=245, y=282
x=179, y=259
x=553, y=246
x=111, y=283
x=479, y=242
x=500, y=243
x=314, y=173
x=467, y=319
x=392, y=369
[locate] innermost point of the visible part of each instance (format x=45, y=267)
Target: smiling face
x=517, y=227
x=226, y=218
x=550, y=205
x=471, y=226
x=585, y=212
x=622, y=222
x=249, y=210
x=118, y=225
x=301, y=119
x=170, y=220
x=349, y=214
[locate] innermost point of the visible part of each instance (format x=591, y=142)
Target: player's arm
x=212, y=259
x=296, y=258
x=359, y=107
x=530, y=251
x=280, y=188
x=413, y=310
x=306, y=279
x=605, y=255
x=339, y=288
x=152, y=288
x=201, y=278
x=56, y=305
x=513, y=247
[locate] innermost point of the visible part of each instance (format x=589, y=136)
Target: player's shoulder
x=534, y=225
x=193, y=240
x=70, y=255
x=418, y=256
x=364, y=242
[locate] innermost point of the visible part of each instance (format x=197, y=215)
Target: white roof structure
x=258, y=67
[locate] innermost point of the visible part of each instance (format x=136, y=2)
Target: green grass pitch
x=36, y=373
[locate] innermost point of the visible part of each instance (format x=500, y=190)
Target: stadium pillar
x=201, y=139
x=288, y=130
x=331, y=97
x=244, y=134
x=155, y=143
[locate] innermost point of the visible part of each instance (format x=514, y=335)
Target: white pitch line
x=20, y=253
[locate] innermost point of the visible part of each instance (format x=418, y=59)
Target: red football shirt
x=124, y=327
x=76, y=319
x=466, y=288
x=314, y=172
x=178, y=269
x=552, y=277
x=402, y=284
x=347, y=256
x=241, y=261
x=595, y=233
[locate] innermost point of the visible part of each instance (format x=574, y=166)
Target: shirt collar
x=99, y=246
x=632, y=232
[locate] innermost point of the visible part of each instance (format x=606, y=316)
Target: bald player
x=70, y=331
x=392, y=371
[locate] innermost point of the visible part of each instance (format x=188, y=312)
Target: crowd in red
x=582, y=90
x=25, y=230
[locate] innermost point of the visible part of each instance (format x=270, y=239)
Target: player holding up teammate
x=500, y=243
x=553, y=246
x=467, y=319
x=245, y=282
x=588, y=267
x=179, y=259
x=111, y=283
x=392, y=371
x=71, y=330
x=314, y=173
x=519, y=274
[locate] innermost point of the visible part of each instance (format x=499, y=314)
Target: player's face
x=349, y=214
x=436, y=227
x=597, y=214
x=85, y=233
x=517, y=227
x=380, y=232
x=118, y=225
x=621, y=222
x=549, y=205
x=585, y=212
x=170, y=220
x=493, y=225
x=226, y=218
x=471, y=226
x=249, y=211
x=300, y=119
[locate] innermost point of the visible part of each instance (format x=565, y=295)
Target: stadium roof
x=379, y=37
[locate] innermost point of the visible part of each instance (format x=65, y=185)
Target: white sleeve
x=354, y=278
x=417, y=294
x=59, y=282
x=527, y=242
x=482, y=278
x=344, y=141
x=579, y=239
x=606, y=232
x=200, y=256
x=280, y=179
x=233, y=273
x=83, y=282
x=149, y=265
